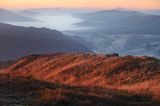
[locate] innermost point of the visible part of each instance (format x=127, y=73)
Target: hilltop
x=83, y=79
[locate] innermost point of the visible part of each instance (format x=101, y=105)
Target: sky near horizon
x=134, y=4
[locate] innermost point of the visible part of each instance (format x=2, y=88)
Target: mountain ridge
x=16, y=41
x=118, y=21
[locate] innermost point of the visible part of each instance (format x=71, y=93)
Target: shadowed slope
x=18, y=41
x=30, y=92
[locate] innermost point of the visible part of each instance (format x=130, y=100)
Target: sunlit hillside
x=83, y=79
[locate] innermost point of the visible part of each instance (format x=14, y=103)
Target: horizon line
x=60, y=7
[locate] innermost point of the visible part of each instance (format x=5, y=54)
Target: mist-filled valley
x=79, y=53
x=122, y=31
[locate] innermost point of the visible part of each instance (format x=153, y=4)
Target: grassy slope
x=86, y=79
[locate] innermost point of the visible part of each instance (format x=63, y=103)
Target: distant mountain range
x=59, y=11
x=153, y=12
x=20, y=41
x=10, y=16
x=121, y=22
x=120, y=30
x=29, y=13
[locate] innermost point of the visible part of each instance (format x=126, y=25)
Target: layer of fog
x=58, y=22
x=61, y=19
x=98, y=41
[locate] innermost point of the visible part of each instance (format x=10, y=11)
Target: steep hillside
x=133, y=79
x=20, y=41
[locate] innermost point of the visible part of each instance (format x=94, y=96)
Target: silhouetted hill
x=82, y=79
x=9, y=16
x=19, y=41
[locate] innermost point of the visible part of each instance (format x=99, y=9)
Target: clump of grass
x=49, y=97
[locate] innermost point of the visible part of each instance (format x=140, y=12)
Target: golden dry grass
x=132, y=75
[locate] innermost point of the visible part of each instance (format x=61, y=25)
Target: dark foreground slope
x=20, y=41
x=81, y=79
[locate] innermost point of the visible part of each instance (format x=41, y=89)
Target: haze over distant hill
x=19, y=41
x=120, y=30
x=121, y=22
x=153, y=11
x=10, y=16
x=59, y=11
x=29, y=13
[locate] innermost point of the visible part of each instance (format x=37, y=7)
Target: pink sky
x=134, y=4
